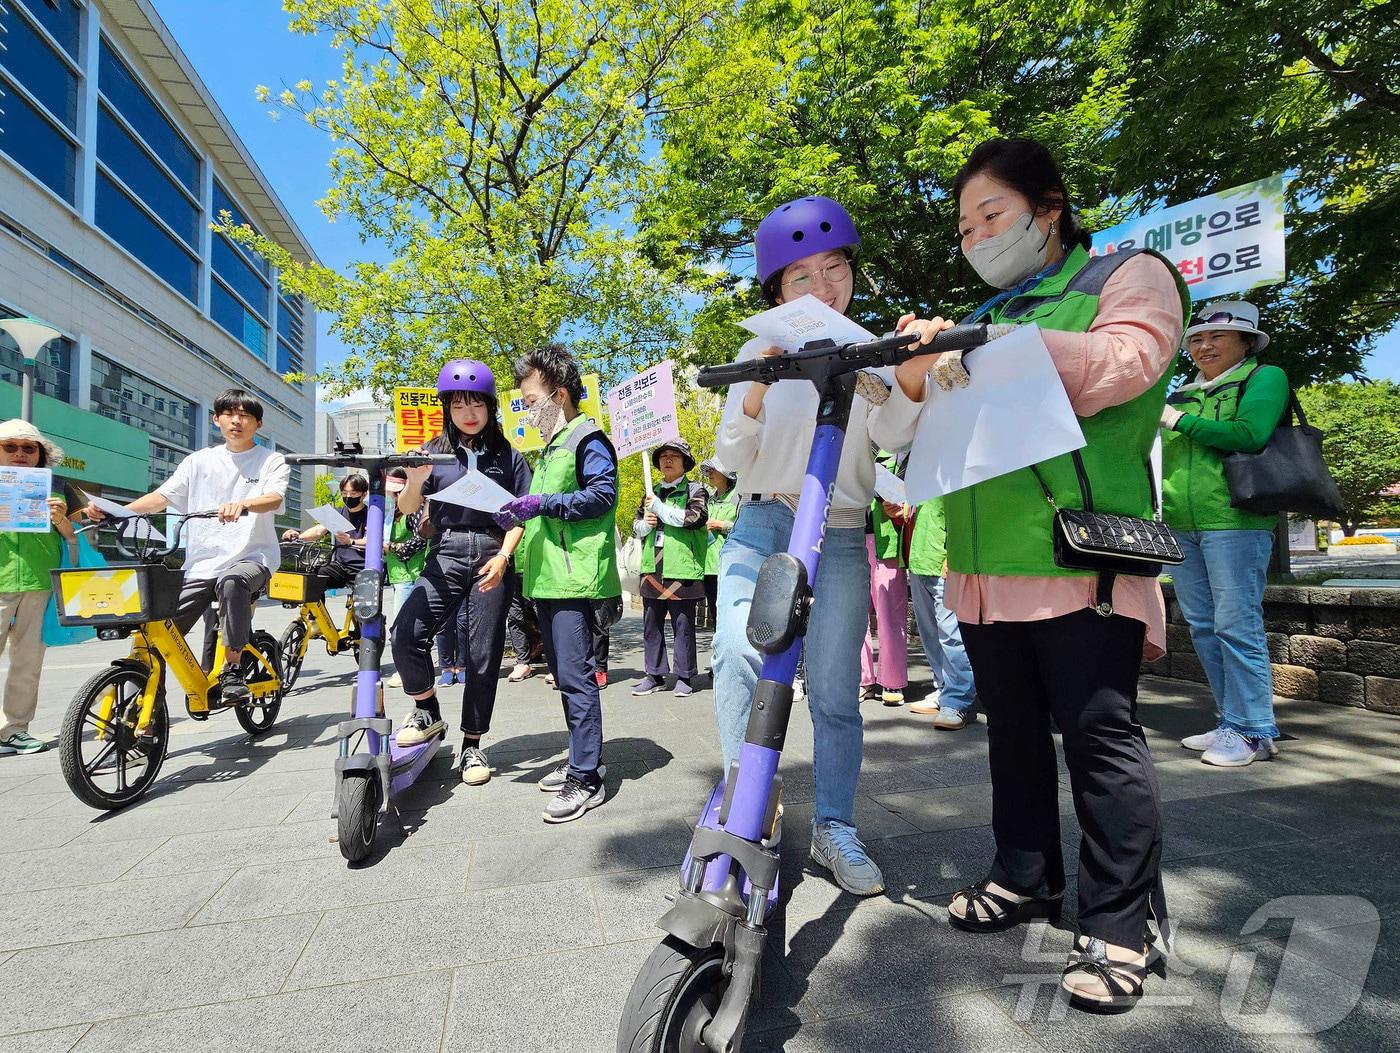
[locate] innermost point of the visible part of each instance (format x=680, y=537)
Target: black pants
x=449, y=579
x=682, y=614
x=602, y=633
x=710, y=608
x=567, y=626
x=522, y=628
x=340, y=575
x=234, y=590
x=452, y=639
x=1082, y=669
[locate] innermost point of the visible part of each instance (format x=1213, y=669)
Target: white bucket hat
x=17, y=429
x=1234, y=315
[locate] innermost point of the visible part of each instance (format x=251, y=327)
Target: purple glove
x=513, y=513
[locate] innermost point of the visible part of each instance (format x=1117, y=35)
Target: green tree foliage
x=876, y=104
x=1237, y=91
x=1144, y=102
x=324, y=489
x=497, y=149
x=1362, y=445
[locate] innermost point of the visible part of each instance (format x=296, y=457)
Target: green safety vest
x=889, y=536
x=399, y=571
x=561, y=559
x=683, y=549
x=928, y=549
x=1195, y=495
x=726, y=510
x=1004, y=525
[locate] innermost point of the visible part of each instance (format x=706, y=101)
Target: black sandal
x=1123, y=979
x=1002, y=913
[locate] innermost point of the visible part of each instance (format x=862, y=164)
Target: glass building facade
x=148, y=182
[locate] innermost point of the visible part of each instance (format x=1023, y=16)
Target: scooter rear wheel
x=675, y=995
x=357, y=802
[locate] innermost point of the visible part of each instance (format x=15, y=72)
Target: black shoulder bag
x=1108, y=543
x=1288, y=474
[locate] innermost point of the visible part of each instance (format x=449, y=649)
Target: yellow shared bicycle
x=117, y=729
x=304, y=586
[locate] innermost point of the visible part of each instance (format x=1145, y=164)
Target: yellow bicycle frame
x=321, y=625
x=159, y=644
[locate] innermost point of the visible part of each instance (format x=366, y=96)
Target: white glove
x=948, y=371
x=668, y=514
x=1170, y=415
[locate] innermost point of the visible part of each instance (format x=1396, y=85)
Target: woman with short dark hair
x=1052, y=644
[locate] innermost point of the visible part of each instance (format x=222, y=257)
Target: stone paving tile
x=251, y=846
x=163, y=818
x=117, y=908
x=19, y=835
x=54, y=1040
x=576, y=850
x=73, y=864
x=402, y=1013
x=445, y=931
x=323, y=884
x=163, y=970
x=575, y=1001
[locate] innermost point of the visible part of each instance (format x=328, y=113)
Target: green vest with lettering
x=561, y=559
x=1004, y=525
x=682, y=548
x=1195, y=495
x=726, y=510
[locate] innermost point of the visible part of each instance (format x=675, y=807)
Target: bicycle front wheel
x=107, y=760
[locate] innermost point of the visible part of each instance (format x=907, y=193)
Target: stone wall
x=1330, y=644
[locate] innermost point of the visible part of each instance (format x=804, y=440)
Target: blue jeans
x=835, y=632
x=1221, y=591
x=942, y=640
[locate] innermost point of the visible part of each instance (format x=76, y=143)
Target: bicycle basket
x=128, y=595
x=291, y=586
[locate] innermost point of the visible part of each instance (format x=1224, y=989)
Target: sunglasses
x=19, y=447
x=1218, y=317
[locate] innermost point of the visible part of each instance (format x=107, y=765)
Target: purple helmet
x=466, y=374
x=801, y=228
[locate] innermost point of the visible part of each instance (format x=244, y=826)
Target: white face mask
x=547, y=417
x=1014, y=254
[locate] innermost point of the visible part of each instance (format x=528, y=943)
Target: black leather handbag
x=1288, y=474
x=1106, y=542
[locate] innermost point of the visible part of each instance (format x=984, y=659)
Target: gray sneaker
x=836, y=847
x=554, y=781
x=573, y=800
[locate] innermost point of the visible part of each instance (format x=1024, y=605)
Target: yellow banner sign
x=417, y=417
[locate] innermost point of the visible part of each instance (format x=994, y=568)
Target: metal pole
x=26, y=398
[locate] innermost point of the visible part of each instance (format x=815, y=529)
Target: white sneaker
x=419, y=727
x=1201, y=743
x=1233, y=750
x=952, y=719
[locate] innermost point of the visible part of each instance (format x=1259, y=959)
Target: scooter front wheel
x=674, y=997
x=357, y=801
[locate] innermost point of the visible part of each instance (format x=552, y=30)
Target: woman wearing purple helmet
x=467, y=560
x=805, y=246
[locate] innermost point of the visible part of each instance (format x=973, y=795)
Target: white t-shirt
x=209, y=478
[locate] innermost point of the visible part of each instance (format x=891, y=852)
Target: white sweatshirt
x=769, y=453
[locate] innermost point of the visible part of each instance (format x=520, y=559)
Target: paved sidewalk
x=218, y=914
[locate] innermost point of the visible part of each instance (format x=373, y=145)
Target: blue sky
x=293, y=155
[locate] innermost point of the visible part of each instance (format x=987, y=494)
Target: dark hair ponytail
x=1027, y=167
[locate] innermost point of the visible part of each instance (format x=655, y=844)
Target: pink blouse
x=1133, y=341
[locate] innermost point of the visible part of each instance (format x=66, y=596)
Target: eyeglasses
x=19, y=447
x=835, y=272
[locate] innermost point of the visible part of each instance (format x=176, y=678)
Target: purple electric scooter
x=696, y=989
x=371, y=767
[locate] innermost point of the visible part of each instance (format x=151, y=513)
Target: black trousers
x=567, y=627
x=1082, y=669
x=449, y=580
x=710, y=609
x=682, y=614
x=602, y=635
x=522, y=628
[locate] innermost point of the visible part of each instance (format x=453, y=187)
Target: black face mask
x=352, y=501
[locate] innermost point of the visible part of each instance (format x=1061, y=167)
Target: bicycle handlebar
x=822, y=359
x=148, y=553
x=372, y=462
